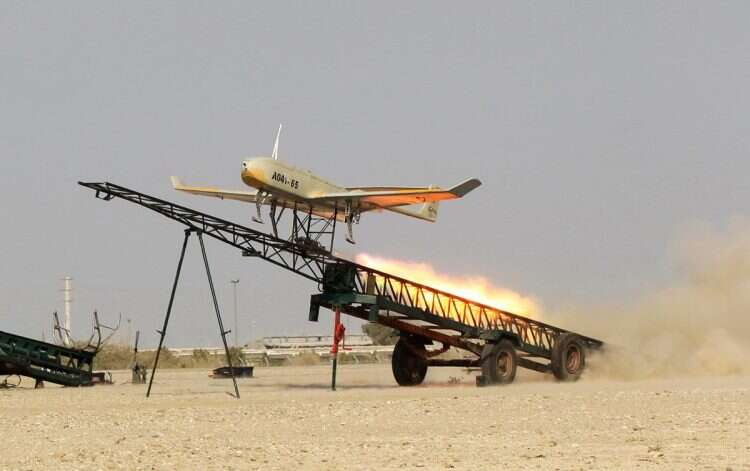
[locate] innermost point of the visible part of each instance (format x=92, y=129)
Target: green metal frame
x=45, y=361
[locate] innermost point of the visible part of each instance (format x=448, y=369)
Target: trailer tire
x=568, y=357
x=499, y=362
x=409, y=368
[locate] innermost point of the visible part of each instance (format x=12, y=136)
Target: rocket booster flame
x=473, y=288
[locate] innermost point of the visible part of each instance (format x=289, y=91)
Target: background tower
x=68, y=302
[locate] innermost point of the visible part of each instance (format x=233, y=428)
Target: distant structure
x=314, y=341
x=68, y=302
x=274, y=350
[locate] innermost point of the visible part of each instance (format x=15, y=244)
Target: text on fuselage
x=281, y=178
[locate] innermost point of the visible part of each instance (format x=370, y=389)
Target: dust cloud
x=699, y=325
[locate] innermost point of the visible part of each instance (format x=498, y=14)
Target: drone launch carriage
x=497, y=341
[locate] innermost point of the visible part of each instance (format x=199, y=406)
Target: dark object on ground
x=139, y=372
x=239, y=372
x=101, y=377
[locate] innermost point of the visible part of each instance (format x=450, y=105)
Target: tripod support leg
x=218, y=316
x=163, y=331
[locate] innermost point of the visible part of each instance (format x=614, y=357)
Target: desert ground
x=287, y=418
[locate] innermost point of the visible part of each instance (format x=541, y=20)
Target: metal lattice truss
x=45, y=361
x=283, y=253
x=443, y=316
x=483, y=321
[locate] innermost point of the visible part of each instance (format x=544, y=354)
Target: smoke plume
x=697, y=326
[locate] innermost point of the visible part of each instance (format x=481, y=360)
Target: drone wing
x=390, y=197
x=246, y=196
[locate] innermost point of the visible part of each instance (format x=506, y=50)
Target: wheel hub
x=503, y=364
x=573, y=359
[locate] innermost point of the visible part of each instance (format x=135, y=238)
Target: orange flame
x=473, y=288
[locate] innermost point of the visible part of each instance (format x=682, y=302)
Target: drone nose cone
x=248, y=166
x=251, y=174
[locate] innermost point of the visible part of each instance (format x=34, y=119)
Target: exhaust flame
x=473, y=288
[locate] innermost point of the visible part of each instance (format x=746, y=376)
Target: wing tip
x=465, y=187
x=176, y=183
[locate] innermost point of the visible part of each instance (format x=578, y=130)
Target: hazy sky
x=601, y=132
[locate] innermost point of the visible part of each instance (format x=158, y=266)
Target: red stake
x=338, y=336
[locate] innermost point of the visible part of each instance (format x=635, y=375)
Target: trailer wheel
x=409, y=368
x=499, y=362
x=568, y=357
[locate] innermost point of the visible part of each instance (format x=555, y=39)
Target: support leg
x=274, y=221
x=349, y=219
x=295, y=218
x=309, y=222
x=163, y=331
x=333, y=231
x=218, y=316
x=259, y=199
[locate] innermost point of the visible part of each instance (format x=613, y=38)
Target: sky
x=601, y=132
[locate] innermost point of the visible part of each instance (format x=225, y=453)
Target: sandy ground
x=288, y=419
